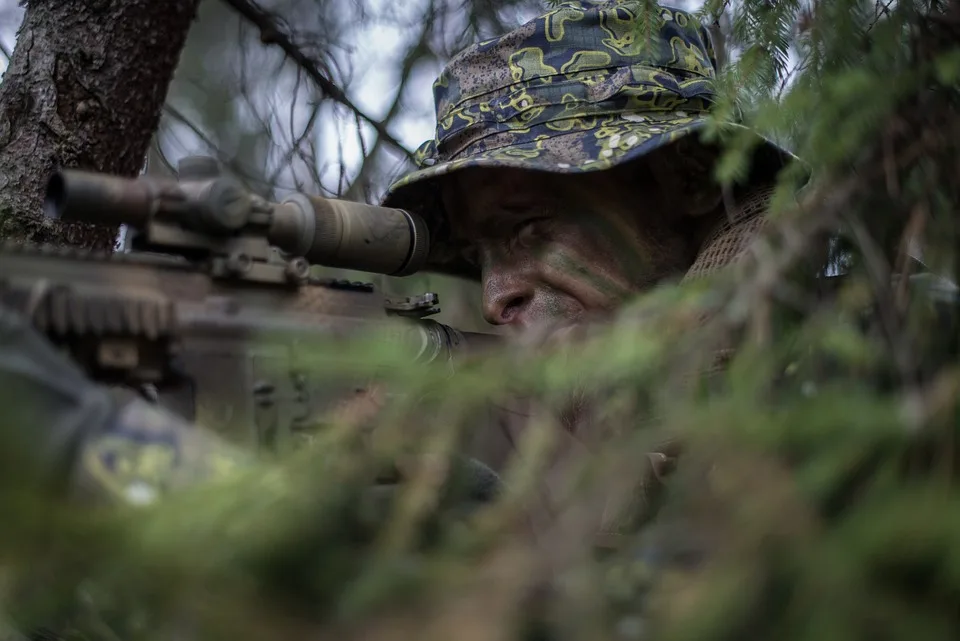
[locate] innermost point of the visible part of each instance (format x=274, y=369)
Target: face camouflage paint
x=551, y=248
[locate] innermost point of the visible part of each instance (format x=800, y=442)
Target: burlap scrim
x=731, y=239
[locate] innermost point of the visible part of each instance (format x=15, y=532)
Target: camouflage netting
x=733, y=236
x=815, y=497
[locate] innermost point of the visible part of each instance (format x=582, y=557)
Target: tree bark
x=84, y=89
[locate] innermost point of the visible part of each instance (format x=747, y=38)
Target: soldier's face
x=559, y=248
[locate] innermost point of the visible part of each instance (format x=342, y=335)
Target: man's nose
x=507, y=293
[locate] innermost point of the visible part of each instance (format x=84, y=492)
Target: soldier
x=567, y=176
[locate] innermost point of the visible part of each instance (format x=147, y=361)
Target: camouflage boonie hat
x=574, y=90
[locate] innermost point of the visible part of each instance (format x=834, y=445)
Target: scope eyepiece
x=53, y=199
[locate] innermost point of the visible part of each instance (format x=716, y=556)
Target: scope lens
x=53, y=199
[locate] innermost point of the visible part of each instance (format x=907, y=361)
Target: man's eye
x=470, y=254
x=528, y=229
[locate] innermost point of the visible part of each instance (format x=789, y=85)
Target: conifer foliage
x=815, y=497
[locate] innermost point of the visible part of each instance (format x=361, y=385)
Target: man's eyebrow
x=497, y=182
x=469, y=180
x=481, y=180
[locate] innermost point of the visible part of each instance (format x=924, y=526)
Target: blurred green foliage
x=815, y=497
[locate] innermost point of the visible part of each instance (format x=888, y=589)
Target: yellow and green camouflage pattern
x=145, y=453
x=577, y=89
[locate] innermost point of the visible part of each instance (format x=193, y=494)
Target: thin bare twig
x=295, y=146
x=406, y=69
x=244, y=92
x=881, y=9
x=245, y=176
x=797, y=69
x=272, y=33
x=879, y=272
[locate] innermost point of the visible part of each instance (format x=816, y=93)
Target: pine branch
x=648, y=23
x=271, y=32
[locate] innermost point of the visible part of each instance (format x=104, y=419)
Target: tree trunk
x=84, y=89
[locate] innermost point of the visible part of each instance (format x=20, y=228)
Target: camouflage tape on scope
x=340, y=233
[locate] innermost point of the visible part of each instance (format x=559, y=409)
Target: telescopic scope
x=324, y=231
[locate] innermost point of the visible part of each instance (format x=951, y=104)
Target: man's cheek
x=588, y=278
x=634, y=260
x=553, y=307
